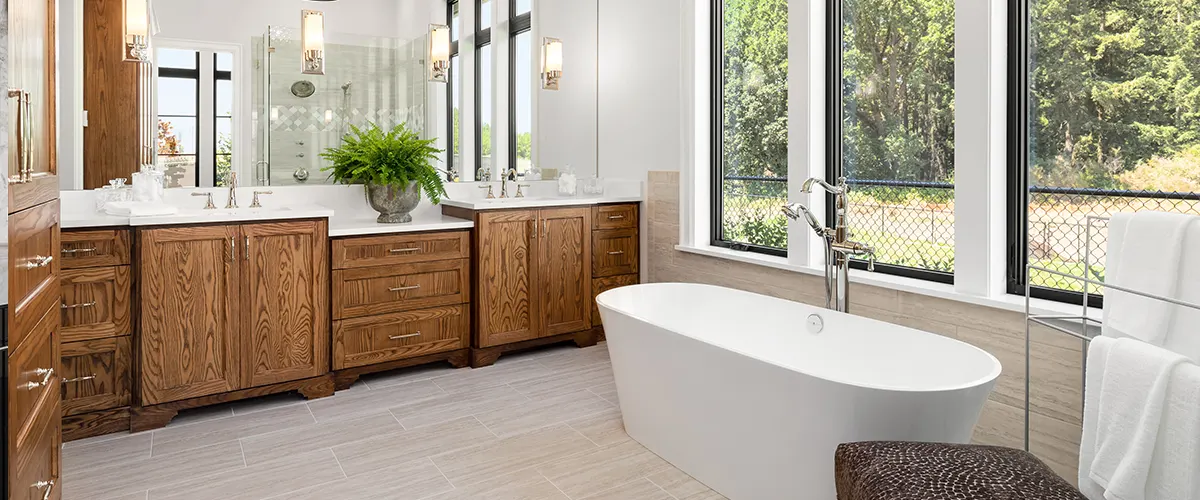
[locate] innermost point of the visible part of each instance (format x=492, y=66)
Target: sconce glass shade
x=439, y=52
x=137, y=30
x=552, y=63
x=312, y=42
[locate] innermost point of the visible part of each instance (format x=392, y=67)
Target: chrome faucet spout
x=839, y=249
x=232, y=191
x=832, y=189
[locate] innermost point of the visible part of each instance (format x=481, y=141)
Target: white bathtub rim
x=990, y=378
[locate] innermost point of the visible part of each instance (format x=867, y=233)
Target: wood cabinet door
x=30, y=92
x=95, y=303
x=189, y=343
x=95, y=375
x=565, y=270
x=508, y=305
x=285, y=274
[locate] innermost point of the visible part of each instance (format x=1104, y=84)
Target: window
x=750, y=109
x=1103, y=119
x=891, y=124
x=178, y=137
x=223, y=117
x=485, y=164
x=454, y=158
x=521, y=88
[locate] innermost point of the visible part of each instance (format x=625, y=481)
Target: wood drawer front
x=36, y=462
x=400, y=249
x=615, y=216
x=95, y=303
x=95, y=375
x=95, y=249
x=614, y=252
x=391, y=337
x=601, y=285
x=33, y=265
x=33, y=376
x=381, y=290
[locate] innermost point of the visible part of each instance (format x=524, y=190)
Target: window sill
x=1015, y=303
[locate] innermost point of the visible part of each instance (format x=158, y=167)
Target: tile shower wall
x=1057, y=381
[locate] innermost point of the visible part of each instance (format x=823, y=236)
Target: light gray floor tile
x=562, y=382
x=174, y=439
x=525, y=484
x=133, y=496
x=451, y=406
x=493, y=459
x=602, y=428
x=306, y=438
x=607, y=391
x=641, y=489
x=574, y=359
x=682, y=486
x=389, y=450
x=124, y=448
x=541, y=412
x=258, y=481
x=263, y=403
x=409, y=481
x=492, y=376
x=603, y=468
x=342, y=405
x=406, y=375
x=133, y=477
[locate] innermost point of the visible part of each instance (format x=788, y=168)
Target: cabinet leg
x=150, y=418
x=460, y=359
x=484, y=357
x=318, y=388
x=587, y=338
x=343, y=380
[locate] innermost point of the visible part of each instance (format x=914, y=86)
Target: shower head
x=796, y=211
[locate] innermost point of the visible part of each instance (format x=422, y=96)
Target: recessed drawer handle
x=404, y=288
x=404, y=250
x=618, y=252
x=616, y=217
x=402, y=337
x=79, y=379
x=38, y=261
x=46, y=373
x=79, y=306
x=48, y=485
x=73, y=251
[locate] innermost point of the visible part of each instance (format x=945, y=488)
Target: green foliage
x=525, y=145
x=224, y=158
x=756, y=74
x=1178, y=174
x=397, y=158
x=758, y=228
x=485, y=138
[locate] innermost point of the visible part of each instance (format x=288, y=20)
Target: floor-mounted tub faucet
x=838, y=247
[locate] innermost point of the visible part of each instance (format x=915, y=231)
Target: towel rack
x=1088, y=327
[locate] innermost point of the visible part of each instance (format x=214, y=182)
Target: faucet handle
x=521, y=194
x=491, y=194
x=209, y=205
x=254, y=203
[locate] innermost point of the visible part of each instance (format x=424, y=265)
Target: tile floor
x=539, y=425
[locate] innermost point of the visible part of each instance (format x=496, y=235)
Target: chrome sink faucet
x=511, y=175
x=232, y=191
x=838, y=247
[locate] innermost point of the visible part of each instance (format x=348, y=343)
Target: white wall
x=566, y=119
x=236, y=21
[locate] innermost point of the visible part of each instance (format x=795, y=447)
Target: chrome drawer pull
x=402, y=337
x=616, y=217
x=46, y=373
x=618, y=252
x=404, y=250
x=79, y=379
x=404, y=288
x=38, y=261
x=79, y=306
x=48, y=485
x=73, y=251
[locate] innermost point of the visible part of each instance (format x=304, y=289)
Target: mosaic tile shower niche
x=296, y=116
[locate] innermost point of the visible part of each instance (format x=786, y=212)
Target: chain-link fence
x=751, y=211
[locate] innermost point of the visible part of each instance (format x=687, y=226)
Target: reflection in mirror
x=195, y=101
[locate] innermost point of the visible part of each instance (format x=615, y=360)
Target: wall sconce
x=552, y=63
x=439, y=53
x=137, y=30
x=312, y=42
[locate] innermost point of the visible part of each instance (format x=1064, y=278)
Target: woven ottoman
x=891, y=470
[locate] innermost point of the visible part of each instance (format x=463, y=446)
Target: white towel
x=1145, y=251
x=1175, y=473
x=1123, y=416
x=139, y=209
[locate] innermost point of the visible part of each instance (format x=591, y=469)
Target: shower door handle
x=264, y=176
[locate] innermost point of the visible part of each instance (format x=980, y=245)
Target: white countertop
x=538, y=202
x=364, y=224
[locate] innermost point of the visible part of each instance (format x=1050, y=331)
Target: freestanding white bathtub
x=735, y=389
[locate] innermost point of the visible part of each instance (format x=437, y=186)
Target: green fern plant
x=398, y=157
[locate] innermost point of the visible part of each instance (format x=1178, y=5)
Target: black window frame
x=451, y=132
x=834, y=153
x=483, y=38
x=219, y=75
x=518, y=25
x=191, y=74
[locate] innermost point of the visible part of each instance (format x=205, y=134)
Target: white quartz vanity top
x=359, y=224
x=538, y=202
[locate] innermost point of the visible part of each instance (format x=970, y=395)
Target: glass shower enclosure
x=367, y=80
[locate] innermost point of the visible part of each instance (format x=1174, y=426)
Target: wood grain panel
x=189, y=343
x=564, y=270
x=373, y=251
x=33, y=378
x=507, y=260
x=96, y=423
x=381, y=290
x=286, y=333
x=615, y=252
x=95, y=375
x=601, y=285
x=35, y=464
x=391, y=337
x=82, y=249
x=95, y=303
x=33, y=267
x=623, y=216
x=31, y=65
x=112, y=139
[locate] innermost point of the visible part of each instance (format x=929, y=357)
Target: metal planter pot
x=394, y=203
